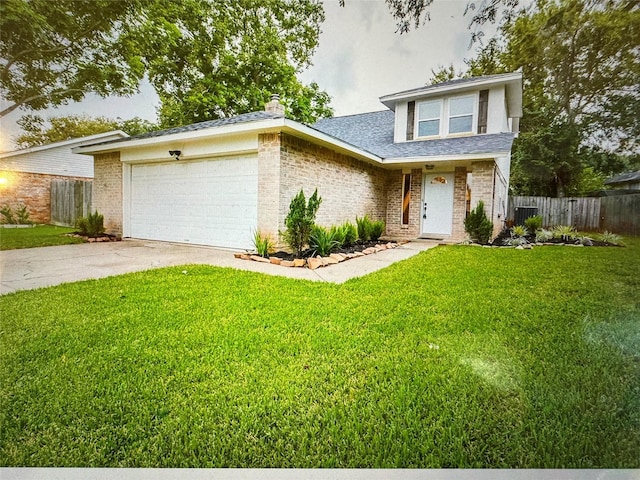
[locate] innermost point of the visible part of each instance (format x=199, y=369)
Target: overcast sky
x=360, y=58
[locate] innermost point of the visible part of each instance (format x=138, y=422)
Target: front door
x=437, y=204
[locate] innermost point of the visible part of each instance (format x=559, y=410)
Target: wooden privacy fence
x=582, y=213
x=70, y=200
x=618, y=214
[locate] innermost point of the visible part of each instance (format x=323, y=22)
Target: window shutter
x=483, y=108
x=411, y=119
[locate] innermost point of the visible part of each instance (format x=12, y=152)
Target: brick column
x=107, y=190
x=459, y=204
x=269, y=145
x=482, y=188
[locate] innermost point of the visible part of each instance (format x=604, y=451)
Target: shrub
x=92, y=225
x=322, y=241
x=533, y=224
x=350, y=234
x=584, y=240
x=478, y=226
x=22, y=215
x=543, y=235
x=612, y=238
x=7, y=213
x=364, y=228
x=300, y=221
x=377, y=229
x=565, y=232
x=338, y=233
x=518, y=231
x=263, y=244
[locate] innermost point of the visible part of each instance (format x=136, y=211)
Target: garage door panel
x=209, y=202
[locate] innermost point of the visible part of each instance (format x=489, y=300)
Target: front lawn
x=459, y=357
x=37, y=236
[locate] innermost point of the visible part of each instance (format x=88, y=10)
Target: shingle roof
x=624, y=178
x=373, y=132
x=456, y=81
x=243, y=118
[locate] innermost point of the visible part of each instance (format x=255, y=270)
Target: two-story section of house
x=447, y=146
x=420, y=165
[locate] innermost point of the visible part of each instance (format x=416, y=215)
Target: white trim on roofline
x=445, y=158
x=89, y=138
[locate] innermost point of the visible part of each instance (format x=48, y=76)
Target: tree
x=55, y=52
x=581, y=67
x=205, y=58
x=37, y=131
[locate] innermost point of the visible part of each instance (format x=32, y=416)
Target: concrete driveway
x=31, y=268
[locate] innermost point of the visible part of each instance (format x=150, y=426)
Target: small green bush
x=533, y=224
x=350, y=234
x=377, y=229
x=22, y=214
x=263, y=244
x=477, y=225
x=543, y=235
x=612, y=238
x=338, y=233
x=364, y=228
x=92, y=225
x=8, y=216
x=565, y=232
x=518, y=231
x=323, y=241
x=300, y=221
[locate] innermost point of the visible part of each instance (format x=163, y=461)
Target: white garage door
x=205, y=202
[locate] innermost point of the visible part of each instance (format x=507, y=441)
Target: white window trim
x=445, y=117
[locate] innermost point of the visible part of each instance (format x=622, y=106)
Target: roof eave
x=64, y=143
x=446, y=158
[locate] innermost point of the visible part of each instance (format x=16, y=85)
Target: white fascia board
x=444, y=158
x=64, y=143
x=430, y=90
x=259, y=126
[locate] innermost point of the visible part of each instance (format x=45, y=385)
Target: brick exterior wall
x=32, y=190
x=459, y=204
x=395, y=229
x=107, y=190
x=483, y=188
x=348, y=187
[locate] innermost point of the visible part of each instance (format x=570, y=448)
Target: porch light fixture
x=429, y=167
x=175, y=154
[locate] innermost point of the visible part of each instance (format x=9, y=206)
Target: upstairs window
x=429, y=114
x=461, y=114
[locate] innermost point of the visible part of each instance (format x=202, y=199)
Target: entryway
x=437, y=204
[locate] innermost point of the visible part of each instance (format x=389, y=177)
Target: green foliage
x=7, y=213
x=565, y=232
x=543, y=235
x=364, y=228
x=263, y=244
x=92, y=225
x=300, y=220
x=612, y=238
x=518, y=231
x=22, y=215
x=478, y=226
x=377, y=229
x=585, y=240
x=533, y=224
x=37, y=131
x=350, y=233
x=339, y=233
x=323, y=241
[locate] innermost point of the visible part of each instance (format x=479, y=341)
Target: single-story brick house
x=419, y=165
x=26, y=175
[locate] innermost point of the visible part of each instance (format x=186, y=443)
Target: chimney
x=274, y=106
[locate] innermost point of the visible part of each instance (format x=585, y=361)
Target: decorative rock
x=528, y=247
x=258, y=258
x=275, y=260
x=391, y=245
x=245, y=256
x=329, y=261
x=299, y=262
x=238, y=255
x=340, y=257
x=314, y=263
x=519, y=247
x=286, y=263
x=358, y=254
x=369, y=251
x=381, y=247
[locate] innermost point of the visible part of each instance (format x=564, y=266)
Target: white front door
x=437, y=204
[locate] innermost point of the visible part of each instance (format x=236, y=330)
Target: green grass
x=37, y=236
x=459, y=357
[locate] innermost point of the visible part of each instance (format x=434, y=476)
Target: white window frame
x=439, y=101
x=445, y=117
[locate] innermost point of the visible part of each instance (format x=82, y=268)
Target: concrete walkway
x=31, y=268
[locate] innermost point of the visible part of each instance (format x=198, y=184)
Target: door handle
x=424, y=211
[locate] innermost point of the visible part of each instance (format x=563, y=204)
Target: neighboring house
x=420, y=166
x=626, y=181
x=26, y=175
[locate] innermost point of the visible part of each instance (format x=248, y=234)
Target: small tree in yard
x=300, y=221
x=478, y=226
